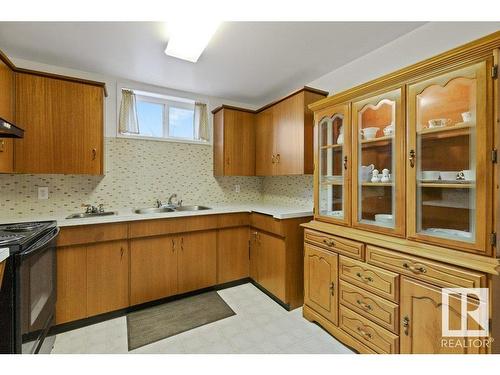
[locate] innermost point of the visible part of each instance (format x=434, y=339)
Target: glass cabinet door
x=447, y=151
x=378, y=168
x=332, y=198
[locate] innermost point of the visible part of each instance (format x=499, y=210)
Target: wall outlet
x=237, y=188
x=43, y=192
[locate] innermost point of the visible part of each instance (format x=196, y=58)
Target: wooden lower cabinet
x=196, y=261
x=268, y=260
x=233, y=254
x=321, y=282
x=107, y=277
x=421, y=314
x=71, y=284
x=153, y=269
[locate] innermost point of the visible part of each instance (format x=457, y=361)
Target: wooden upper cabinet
x=450, y=142
x=7, y=113
x=234, y=143
x=63, y=123
x=284, y=136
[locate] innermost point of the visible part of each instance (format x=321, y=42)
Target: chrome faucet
x=159, y=203
x=173, y=196
x=90, y=209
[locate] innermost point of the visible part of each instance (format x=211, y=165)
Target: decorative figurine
x=340, y=138
x=385, y=175
x=375, y=176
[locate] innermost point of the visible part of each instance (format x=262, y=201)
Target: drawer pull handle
x=412, y=158
x=364, y=278
x=345, y=162
x=406, y=325
x=415, y=269
x=329, y=242
x=364, y=305
x=366, y=335
x=332, y=289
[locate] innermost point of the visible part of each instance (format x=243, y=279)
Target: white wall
x=426, y=41
x=111, y=85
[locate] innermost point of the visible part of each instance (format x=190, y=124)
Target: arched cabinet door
x=332, y=193
x=449, y=166
x=378, y=174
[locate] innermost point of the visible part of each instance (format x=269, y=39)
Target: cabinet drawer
x=370, y=334
x=267, y=223
x=340, y=245
x=377, y=309
x=437, y=273
x=83, y=234
x=374, y=279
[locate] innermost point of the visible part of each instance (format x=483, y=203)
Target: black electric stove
x=28, y=289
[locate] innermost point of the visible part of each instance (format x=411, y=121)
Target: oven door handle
x=42, y=242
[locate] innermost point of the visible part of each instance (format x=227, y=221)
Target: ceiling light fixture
x=188, y=39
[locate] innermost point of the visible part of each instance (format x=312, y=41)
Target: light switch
x=237, y=188
x=43, y=192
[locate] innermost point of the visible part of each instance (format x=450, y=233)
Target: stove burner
x=22, y=227
x=5, y=238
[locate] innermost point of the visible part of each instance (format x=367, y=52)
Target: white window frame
x=167, y=101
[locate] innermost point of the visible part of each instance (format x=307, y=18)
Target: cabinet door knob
x=329, y=242
x=278, y=158
x=94, y=154
x=412, y=158
x=121, y=253
x=173, y=245
x=406, y=325
x=273, y=159
x=345, y=162
x=332, y=288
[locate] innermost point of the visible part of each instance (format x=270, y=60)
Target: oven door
x=36, y=293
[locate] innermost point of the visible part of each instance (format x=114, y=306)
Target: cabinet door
x=320, y=282
x=197, y=260
x=232, y=254
x=64, y=126
x=264, y=143
x=271, y=264
x=239, y=143
x=71, y=284
x=7, y=113
x=288, y=131
x=333, y=161
x=449, y=163
x=153, y=269
x=107, y=277
x=378, y=173
x=421, y=315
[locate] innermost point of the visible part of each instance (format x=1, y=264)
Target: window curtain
x=129, y=123
x=201, y=121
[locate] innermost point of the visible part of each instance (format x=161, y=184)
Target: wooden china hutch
x=406, y=203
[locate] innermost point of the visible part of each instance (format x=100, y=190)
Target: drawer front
x=340, y=245
x=381, y=282
x=233, y=220
x=267, y=223
x=83, y=234
x=158, y=227
x=434, y=272
x=369, y=333
x=378, y=310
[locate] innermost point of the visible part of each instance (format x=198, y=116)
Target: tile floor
x=259, y=326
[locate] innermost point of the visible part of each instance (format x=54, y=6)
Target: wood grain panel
x=264, y=143
x=271, y=264
x=197, y=260
x=7, y=113
x=175, y=225
x=437, y=273
x=64, y=126
x=107, y=277
x=369, y=333
x=233, y=220
x=374, y=279
x=218, y=147
x=71, y=284
x=153, y=269
x=239, y=143
x=233, y=257
x=87, y=234
x=267, y=223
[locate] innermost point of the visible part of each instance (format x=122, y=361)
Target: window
x=165, y=117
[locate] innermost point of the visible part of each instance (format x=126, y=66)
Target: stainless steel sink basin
x=192, y=208
x=153, y=210
x=93, y=214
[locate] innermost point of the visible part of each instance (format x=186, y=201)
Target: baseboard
x=64, y=327
x=286, y=306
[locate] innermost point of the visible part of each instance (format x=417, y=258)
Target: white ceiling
x=249, y=62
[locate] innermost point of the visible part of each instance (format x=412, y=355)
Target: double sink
x=149, y=210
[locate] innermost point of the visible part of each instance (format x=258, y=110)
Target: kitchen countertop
x=4, y=254
x=127, y=214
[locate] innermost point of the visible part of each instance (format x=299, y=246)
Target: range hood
x=8, y=130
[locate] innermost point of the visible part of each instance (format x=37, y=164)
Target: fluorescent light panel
x=188, y=39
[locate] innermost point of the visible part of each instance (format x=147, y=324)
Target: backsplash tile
x=140, y=171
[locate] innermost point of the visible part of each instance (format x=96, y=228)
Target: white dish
x=369, y=133
x=384, y=218
x=449, y=232
x=429, y=175
x=448, y=175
